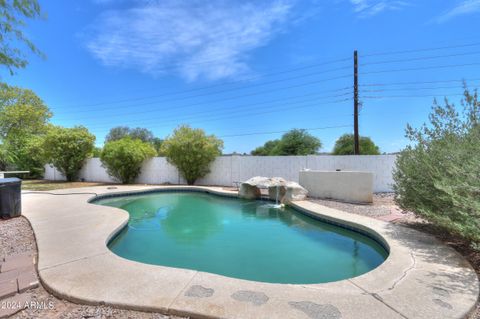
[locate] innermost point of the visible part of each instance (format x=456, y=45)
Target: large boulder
x=278, y=188
x=265, y=182
x=248, y=191
x=295, y=192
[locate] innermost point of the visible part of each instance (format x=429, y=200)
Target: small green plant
x=123, y=158
x=191, y=151
x=345, y=146
x=68, y=148
x=439, y=176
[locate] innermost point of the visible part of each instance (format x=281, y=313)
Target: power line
x=277, y=132
x=417, y=82
x=421, y=50
x=243, y=106
x=220, y=92
x=404, y=96
x=222, y=84
x=227, y=56
x=421, y=68
x=421, y=58
x=244, y=114
x=228, y=98
x=413, y=89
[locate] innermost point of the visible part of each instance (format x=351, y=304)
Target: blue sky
x=239, y=68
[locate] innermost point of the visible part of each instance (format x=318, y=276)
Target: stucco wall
x=228, y=169
x=350, y=186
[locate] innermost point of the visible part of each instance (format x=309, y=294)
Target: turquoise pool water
x=239, y=238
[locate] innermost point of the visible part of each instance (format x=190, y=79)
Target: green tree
x=267, y=149
x=294, y=142
x=157, y=145
x=117, y=133
x=438, y=177
x=139, y=133
x=97, y=151
x=22, y=113
x=345, y=146
x=142, y=134
x=68, y=148
x=192, y=152
x=123, y=158
x=23, y=121
x=13, y=14
x=298, y=142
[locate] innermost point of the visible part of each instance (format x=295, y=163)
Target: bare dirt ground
x=16, y=236
x=43, y=185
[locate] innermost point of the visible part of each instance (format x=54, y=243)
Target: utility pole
x=356, y=138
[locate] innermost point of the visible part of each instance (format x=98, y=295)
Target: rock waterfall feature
x=279, y=189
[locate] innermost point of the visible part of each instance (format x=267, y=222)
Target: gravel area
x=16, y=236
x=383, y=205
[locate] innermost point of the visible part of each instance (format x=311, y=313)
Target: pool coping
x=421, y=278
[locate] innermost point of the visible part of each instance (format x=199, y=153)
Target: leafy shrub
x=30, y=156
x=6, y=157
x=191, y=151
x=345, y=146
x=68, y=148
x=439, y=176
x=123, y=158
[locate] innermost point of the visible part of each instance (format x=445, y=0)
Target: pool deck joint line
x=421, y=278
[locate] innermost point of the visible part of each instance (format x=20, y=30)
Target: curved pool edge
x=370, y=233
x=421, y=278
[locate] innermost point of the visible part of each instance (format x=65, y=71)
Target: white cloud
x=464, y=7
x=195, y=38
x=368, y=8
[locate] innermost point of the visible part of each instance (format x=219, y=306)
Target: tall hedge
x=123, y=158
x=438, y=177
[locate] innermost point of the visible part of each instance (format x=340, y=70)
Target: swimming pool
x=237, y=238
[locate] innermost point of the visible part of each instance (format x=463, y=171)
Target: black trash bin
x=10, y=197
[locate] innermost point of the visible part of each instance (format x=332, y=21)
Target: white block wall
x=226, y=170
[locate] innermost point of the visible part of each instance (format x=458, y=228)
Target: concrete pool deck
x=421, y=278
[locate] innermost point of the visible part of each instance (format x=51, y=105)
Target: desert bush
x=191, y=151
x=123, y=158
x=439, y=176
